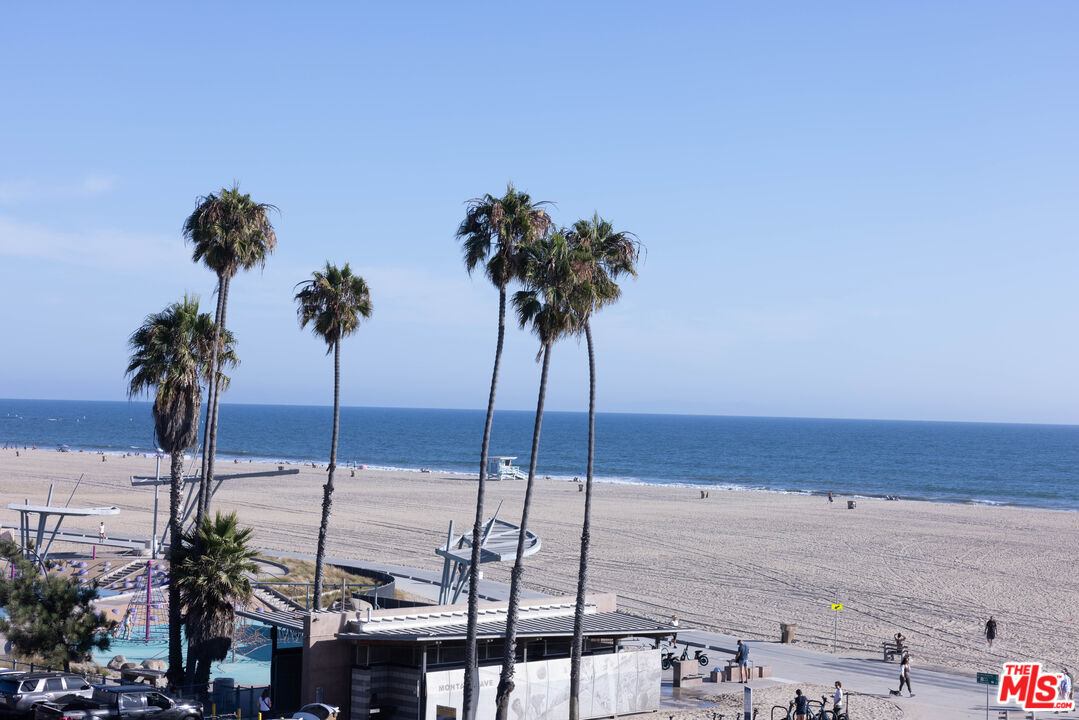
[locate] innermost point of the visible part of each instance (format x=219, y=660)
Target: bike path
x=938, y=695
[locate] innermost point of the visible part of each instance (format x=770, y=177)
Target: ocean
x=1021, y=465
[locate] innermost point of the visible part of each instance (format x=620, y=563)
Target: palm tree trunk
x=586, y=538
x=211, y=393
x=471, y=688
x=327, y=490
x=176, y=651
x=509, y=657
x=208, y=478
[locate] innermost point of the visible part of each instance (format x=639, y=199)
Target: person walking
x=101, y=536
x=904, y=674
x=741, y=657
x=837, y=699
x=991, y=631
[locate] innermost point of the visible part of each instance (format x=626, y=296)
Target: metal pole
x=149, y=584
x=157, y=492
x=835, y=623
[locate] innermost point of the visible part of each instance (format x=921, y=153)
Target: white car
x=317, y=711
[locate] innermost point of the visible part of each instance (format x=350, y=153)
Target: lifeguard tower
x=500, y=467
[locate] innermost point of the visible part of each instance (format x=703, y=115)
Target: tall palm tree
x=546, y=307
x=333, y=301
x=230, y=232
x=169, y=354
x=600, y=257
x=212, y=577
x=491, y=233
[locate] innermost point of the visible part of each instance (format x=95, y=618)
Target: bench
x=730, y=672
x=891, y=650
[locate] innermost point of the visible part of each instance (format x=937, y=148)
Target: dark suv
x=20, y=693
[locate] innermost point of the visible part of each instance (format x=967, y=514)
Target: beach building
x=501, y=467
x=408, y=663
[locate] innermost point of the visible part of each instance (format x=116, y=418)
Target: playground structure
x=498, y=543
x=192, y=482
x=36, y=547
x=147, y=614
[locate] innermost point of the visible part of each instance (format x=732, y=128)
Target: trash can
x=851, y=504
x=786, y=633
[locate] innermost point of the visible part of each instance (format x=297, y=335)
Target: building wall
x=385, y=686
x=326, y=661
x=616, y=684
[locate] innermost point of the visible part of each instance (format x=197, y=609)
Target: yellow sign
x=442, y=712
x=837, y=606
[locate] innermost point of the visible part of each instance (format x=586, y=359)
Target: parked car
x=20, y=693
x=317, y=711
x=120, y=702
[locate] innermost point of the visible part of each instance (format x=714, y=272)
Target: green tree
x=333, y=301
x=230, y=232
x=493, y=230
x=213, y=576
x=545, y=306
x=170, y=353
x=600, y=257
x=49, y=618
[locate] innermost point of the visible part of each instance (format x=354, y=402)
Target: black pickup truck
x=119, y=702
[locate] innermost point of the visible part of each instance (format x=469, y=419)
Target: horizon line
x=585, y=412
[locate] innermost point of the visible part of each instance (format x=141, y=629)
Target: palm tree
x=169, y=354
x=333, y=301
x=491, y=233
x=601, y=255
x=230, y=232
x=212, y=577
x=545, y=306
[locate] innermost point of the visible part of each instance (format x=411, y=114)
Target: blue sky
x=850, y=209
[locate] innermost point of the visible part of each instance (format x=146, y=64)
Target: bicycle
x=824, y=713
x=668, y=657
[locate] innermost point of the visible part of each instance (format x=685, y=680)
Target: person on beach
x=741, y=656
x=801, y=705
x=1064, y=690
x=904, y=675
x=830, y=498
x=674, y=623
x=899, y=640
x=837, y=698
x=991, y=631
x=101, y=537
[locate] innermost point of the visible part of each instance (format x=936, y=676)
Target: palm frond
x=333, y=302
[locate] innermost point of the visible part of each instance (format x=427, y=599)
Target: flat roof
x=596, y=624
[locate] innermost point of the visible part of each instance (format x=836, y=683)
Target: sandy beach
x=736, y=562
